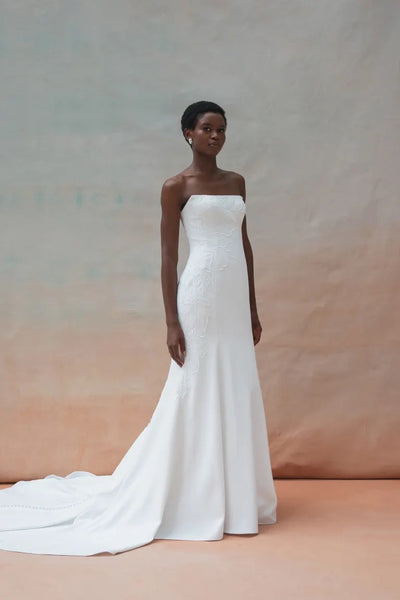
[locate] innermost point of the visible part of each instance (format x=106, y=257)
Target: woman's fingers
x=177, y=355
x=257, y=334
x=174, y=352
x=183, y=347
x=177, y=350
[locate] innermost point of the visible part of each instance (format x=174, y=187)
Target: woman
x=205, y=132
x=201, y=466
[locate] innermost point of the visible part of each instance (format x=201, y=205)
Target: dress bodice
x=209, y=218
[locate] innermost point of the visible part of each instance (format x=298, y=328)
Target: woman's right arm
x=169, y=229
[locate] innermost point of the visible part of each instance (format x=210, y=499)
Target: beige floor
x=334, y=539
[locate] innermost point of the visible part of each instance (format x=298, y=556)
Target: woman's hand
x=256, y=326
x=176, y=343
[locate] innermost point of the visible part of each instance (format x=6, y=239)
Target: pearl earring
x=190, y=141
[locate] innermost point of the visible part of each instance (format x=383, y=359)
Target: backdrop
x=91, y=98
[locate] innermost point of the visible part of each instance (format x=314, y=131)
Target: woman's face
x=209, y=133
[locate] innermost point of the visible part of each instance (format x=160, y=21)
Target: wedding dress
x=201, y=466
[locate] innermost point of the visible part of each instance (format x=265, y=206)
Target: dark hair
x=195, y=110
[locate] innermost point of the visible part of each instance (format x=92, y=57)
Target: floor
x=334, y=539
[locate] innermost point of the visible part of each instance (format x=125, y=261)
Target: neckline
x=211, y=196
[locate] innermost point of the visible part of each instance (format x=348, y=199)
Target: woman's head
x=204, y=118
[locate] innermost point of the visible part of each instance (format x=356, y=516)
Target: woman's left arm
x=255, y=321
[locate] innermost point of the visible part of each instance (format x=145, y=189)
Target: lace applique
x=196, y=309
x=199, y=278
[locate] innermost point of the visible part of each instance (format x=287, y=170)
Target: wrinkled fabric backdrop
x=91, y=98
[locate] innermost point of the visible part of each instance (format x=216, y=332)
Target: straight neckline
x=210, y=196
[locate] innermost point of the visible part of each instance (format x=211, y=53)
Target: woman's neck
x=204, y=165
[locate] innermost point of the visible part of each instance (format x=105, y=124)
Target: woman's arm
x=255, y=321
x=169, y=229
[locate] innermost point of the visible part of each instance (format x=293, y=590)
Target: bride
x=201, y=466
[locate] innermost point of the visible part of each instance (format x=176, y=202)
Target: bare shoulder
x=238, y=181
x=173, y=184
x=172, y=191
x=235, y=176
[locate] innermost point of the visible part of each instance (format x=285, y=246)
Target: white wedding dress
x=201, y=466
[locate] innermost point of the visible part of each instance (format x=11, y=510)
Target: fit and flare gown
x=201, y=466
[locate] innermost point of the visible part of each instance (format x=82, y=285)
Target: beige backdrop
x=91, y=98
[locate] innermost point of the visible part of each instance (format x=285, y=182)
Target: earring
x=190, y=141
